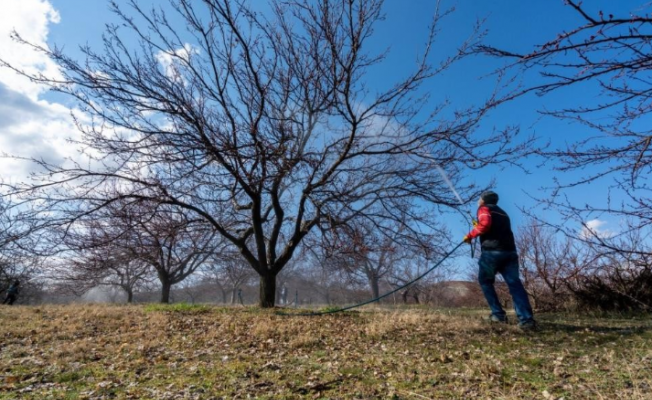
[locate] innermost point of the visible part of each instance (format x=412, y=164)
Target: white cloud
x=171, y=61
x=31, y=19
x=30, y=126
x=595, y=228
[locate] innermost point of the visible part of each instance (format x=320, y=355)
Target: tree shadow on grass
x=596, y=330
x=619, y=324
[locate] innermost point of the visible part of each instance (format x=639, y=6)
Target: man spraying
x=499, y=256
x=12, y=293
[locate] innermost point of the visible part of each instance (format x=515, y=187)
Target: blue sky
x=513, y=24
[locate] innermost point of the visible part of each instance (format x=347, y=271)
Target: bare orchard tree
x=191, y=289
x=561, y=272
x=210, y=274
x=101, y=252
x=127, y=240
x=264, y=125
x=16, y=263
x=174, y=245
x=551, y=263
x=610, y=51
x=231, y=273
x=373, y=253
x=618, y=279
x=131, y=275
x=410, y=267
x=320, y=265
x=108, y=267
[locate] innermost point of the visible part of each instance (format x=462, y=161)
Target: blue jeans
x=505, y=263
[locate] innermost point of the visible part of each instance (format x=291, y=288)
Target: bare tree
x=413, y=265
x=126, y=241
x=103, y=267
x=191, y=289
x=16, y=263
x=551, y=263
x=321, y=265
x=618, y=279
x=561, y=272
x=211, y=275
x=232, y=273
x=174, y=246
x=367, y=258
x=263, y=125
x=130, y=276
x=373, y=252
x=102, y=252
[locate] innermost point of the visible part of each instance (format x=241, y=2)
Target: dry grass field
x=202, y=352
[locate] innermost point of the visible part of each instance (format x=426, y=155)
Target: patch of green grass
x=354, y=371
x=329, y=309
x=67, y=377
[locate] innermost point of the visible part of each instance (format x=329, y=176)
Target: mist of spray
x=450, y=184
x=103, y=294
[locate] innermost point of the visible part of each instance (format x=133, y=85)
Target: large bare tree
x=263, y=124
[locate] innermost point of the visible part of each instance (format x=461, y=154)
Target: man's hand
x=467, y=239
x=474, y=222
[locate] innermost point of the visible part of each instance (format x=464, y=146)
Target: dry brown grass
x=136, y=352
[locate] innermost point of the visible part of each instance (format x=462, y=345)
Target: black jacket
x=500, y=236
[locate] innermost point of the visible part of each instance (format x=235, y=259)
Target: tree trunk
x=130, y=296
x=267, y=291
x=373, y=282
x=233, y=295
x=165, y=292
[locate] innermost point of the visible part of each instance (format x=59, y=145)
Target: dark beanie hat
x=489, y=197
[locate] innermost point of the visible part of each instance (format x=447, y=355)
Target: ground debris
x=104, y=352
